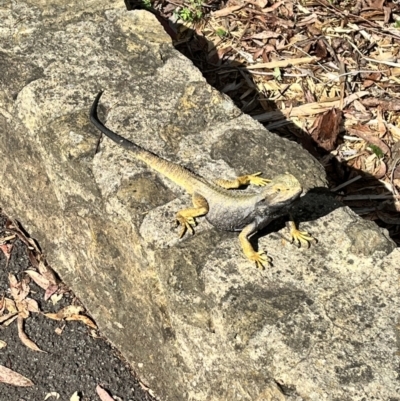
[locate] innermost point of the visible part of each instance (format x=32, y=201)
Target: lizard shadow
x=317, y=202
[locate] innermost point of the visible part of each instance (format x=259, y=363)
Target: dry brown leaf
x=381, y=122
x=14, y=226
x=59, y=330
x=371, y=79
x=387, y=14
x=47, y=281
x=325, y=129
x=309, y=19
x=65, y=312
x=396, y=175
x=75, y=397
x=32, y=305
x=358, y=106
x=10, y=305
x=308, y=109
x=283, y=63
x=55, y=298
x=24, y=338
x=6, y=249
x=47, y=272
x=33, y=258
x=71, y=312
x=394, y=131
x=264, y=35
x=365, y=133
x=14, y=286
x=23, y=309
x=320, y=49
x=386, y=105
x=19, y=289
x=3, y=344
x=53, y=288
x=262, y=3
x=94, y=334
x=40, y=280
x=226, y=11
x=52, y=394
x=373, y=15
x=8, y=376
x=25, y=287
x=380, y=170
x=375, y=4
x=384, y=56
x=84, y=319
x=3, y=240
x=7, y=305
x=6, y=320
x=103, y=394
x=54, y=316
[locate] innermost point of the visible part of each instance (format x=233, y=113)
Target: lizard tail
x=112, y=135
x=176, y=173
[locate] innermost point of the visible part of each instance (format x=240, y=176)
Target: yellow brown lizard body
x=223, y=207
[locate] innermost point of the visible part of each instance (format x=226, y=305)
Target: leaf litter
x=323, y=73
x=19, y=306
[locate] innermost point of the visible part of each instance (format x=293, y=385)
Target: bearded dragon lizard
x=223, y=208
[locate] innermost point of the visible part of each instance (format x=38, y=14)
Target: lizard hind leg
x=248, y=179
x=186, y=217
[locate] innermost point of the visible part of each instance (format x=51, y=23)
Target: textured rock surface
x=196, y=319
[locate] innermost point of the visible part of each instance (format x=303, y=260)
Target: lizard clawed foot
x=187, y=223
x=301, y=238
x=261, y=259
x=254, y=179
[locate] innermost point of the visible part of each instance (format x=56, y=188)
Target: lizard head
x=282, y=190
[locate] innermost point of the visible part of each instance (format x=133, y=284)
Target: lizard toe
x=254, y=179
x=261, y=260
x=187, y=224
x=301, y=238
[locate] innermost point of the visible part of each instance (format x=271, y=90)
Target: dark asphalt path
x=77, y=360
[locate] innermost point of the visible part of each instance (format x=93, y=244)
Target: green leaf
x=221, y=32
x=377, y=150
x=277, y=74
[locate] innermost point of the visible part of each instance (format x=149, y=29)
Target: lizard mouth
x=281, y=198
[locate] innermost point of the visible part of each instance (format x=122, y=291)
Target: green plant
x=146, y=3
x=277, y=74
x=377, y=150
x=192, y=11
x=221, y=32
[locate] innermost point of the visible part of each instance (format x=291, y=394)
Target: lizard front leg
x=243, y=180
x=299, y=237
x=260, y=258
x=186, y=217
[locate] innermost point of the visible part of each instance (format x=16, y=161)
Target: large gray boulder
x=196, y=319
